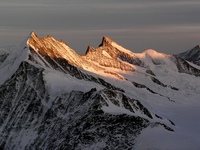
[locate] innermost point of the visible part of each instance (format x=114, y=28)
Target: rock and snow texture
x=192, y=55
x=109, y=98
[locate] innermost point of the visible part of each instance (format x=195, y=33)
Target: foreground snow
x=186, y=135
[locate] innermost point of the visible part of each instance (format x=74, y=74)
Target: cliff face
x=192, y=55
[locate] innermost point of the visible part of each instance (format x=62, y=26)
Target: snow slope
x=16, y=56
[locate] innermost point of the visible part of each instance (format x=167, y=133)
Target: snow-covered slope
x=16, y=55
x=109, y=98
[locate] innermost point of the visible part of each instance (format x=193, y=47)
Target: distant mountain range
x=109, y=98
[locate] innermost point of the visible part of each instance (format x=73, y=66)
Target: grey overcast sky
x=170, y=26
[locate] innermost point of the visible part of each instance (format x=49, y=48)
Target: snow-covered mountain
x=108, y=98
x=192, y=55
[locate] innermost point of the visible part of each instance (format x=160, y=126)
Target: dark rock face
x=22, y=87
x=158, y=82
x=132, y=60
x=81, y=124
x=150, y=72
x=3, y=57
x=21, y=99
x=192, y=55
x=30, y=119
x=143, y=86
x=184, y=67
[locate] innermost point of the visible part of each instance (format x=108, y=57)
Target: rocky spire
x=106, y=41
x=89, y=49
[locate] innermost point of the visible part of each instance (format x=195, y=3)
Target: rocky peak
x=106, y=41
x=192, y=55
x=33, y=34
x=197, y=47
x=89, y=49
x=54, y=49
x=194, y=50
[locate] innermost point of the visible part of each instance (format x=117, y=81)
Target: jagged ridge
x=192, y=55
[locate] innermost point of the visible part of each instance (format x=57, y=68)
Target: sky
x=171, y=26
